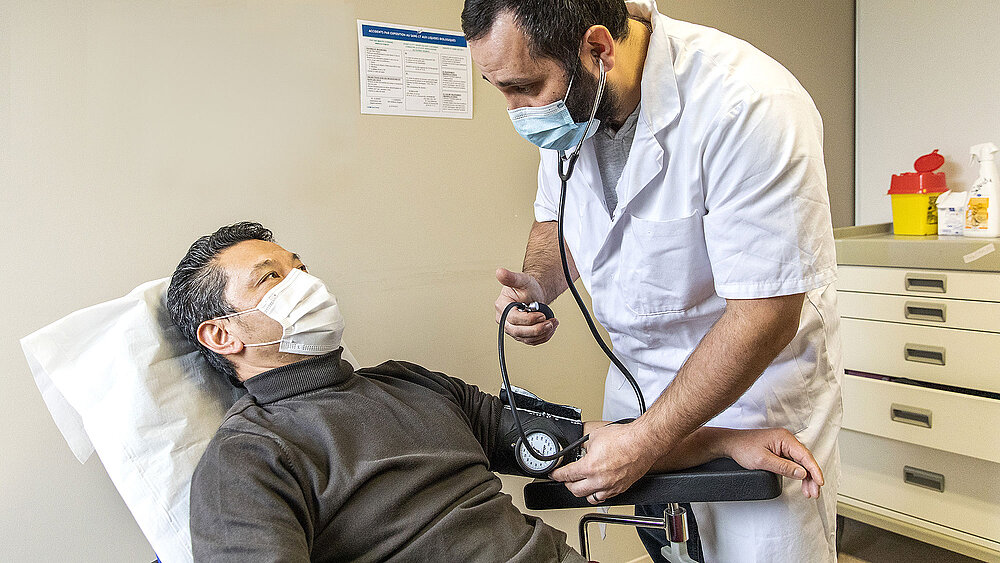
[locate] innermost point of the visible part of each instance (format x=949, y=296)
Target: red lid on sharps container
x=924, y=180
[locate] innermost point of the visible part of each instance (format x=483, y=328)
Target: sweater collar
x=299, y=377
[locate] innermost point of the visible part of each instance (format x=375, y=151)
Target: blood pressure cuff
x=535, y=413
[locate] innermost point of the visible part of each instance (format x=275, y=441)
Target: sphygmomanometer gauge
x=543, y=443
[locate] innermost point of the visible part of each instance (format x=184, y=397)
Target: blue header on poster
x=413, y=35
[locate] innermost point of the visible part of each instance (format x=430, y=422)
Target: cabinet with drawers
x=920, y=444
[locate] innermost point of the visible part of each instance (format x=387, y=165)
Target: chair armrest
x=718, y=480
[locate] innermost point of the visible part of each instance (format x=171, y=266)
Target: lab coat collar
x=299, y=377
x=586, y=169
x=660, y=99
x=659, y=106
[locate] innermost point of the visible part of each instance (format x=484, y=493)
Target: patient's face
x=253, y=267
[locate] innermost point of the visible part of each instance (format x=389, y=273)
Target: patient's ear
x=216, y=338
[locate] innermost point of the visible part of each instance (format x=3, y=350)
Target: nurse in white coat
x=706, y=245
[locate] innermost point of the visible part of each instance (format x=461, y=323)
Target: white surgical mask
x=309, y=315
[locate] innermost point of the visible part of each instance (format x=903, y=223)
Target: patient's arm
x=246, y=504
x=770, y=449
x=484, y=412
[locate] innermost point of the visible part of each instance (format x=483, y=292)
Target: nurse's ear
x=598, y=44
x=212, y=334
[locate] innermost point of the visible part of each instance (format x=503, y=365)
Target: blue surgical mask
x=551, y=126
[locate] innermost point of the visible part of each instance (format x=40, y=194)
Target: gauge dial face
x=544, y=444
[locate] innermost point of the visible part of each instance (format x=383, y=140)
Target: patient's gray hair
x=197, y=288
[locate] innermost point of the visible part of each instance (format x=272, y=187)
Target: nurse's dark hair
x=554, y=28
x=197, y=287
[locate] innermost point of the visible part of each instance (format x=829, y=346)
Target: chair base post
x=674, y=523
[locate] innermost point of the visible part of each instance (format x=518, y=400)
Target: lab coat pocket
x=664, y=265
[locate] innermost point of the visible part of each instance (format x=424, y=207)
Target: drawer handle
x=926, y=283
x=924, y=354
x=924, y=311
x=910, y=415
x=925, y=479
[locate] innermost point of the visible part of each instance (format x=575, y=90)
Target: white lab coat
x=723, y=197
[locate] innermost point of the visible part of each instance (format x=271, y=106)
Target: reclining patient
x=319, y=462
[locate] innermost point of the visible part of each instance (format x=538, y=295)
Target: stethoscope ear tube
x=586, y=132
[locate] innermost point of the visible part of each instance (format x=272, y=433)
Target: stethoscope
x=525, y=446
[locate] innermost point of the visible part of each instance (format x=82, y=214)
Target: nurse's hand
x=775, y=450
x=530, y=328
x=614, y=461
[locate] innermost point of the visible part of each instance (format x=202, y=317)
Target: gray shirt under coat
x=611, y=148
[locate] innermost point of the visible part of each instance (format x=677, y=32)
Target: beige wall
x=127, y=129
x=815, y=41
x=927, y=79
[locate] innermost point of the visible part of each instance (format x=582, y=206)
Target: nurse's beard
x=581, y=99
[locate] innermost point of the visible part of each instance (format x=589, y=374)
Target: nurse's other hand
x=778, y=451
x=614, y=461
x=530, y=328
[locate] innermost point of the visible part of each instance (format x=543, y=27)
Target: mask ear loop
x=257, y=308
x=245, y=345
x=571, y=159
x=273, y=342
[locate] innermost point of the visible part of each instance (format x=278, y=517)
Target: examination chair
x=718, y=480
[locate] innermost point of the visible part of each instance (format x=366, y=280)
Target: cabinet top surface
x=876, y=245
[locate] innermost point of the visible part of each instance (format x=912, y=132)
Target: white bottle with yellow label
x=982, y=215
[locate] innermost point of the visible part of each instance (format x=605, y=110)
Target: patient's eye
x=304, y=269
x=268, y=276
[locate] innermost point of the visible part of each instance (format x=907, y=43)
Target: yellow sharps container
x=914, y=196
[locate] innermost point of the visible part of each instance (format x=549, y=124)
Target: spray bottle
x=982, y=218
